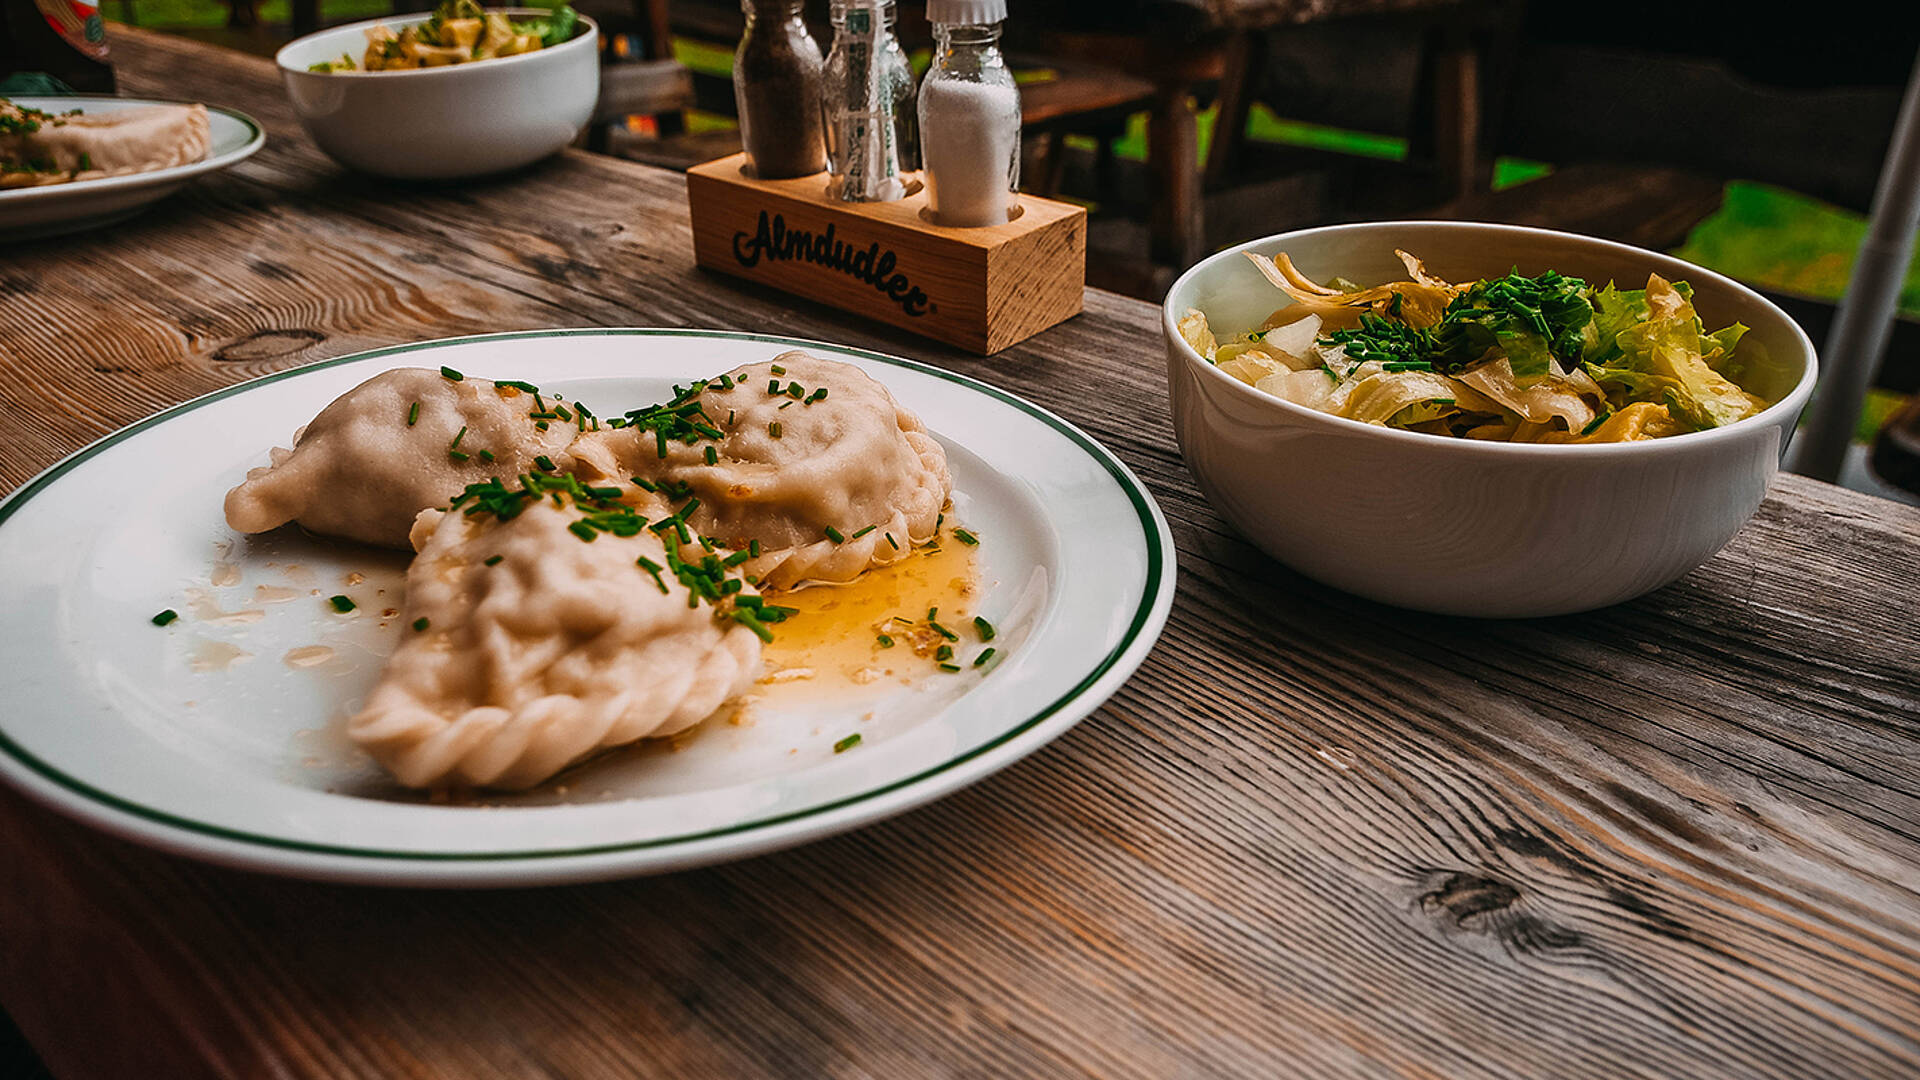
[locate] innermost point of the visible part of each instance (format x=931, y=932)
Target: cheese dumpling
x=536, y=634
x=810, y=458
x=397, y=444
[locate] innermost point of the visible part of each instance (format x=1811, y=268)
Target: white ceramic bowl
x=443, y=123
x=1457, y=526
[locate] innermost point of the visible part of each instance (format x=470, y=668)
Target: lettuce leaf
x=1665, y=355
x=1614, y=310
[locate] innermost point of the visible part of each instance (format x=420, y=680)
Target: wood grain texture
x=1313, y=837
x=982, y=289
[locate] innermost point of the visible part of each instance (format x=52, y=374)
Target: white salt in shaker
x=969, y=116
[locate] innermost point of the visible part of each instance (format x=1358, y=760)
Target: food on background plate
x=39, y=147
x=591, y=582
x=1545, y=359
x=545, y=622
x=810, y=460
x=395, y=445
x=458, y=32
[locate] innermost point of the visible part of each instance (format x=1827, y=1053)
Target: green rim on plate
x=1142, y=505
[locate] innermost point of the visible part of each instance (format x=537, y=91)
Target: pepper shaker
x=777, y=83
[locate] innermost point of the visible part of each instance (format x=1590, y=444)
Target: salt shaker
x=873, y=145
x=969, y=116
x=777, y=84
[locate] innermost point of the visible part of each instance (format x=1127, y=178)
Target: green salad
x=1546, y=358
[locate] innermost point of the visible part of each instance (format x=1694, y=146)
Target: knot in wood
x=1468, y=896
x=268, y=345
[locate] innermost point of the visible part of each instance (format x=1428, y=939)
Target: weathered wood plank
x=1314, y=836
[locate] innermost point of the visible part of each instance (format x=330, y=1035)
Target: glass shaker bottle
x=969, y=116
x=872, y=127
x=777, y=85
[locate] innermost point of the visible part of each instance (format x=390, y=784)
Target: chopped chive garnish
x=341, y=604
x=785, y=405
x=729, y=417
x=413, y=413
x=541, y=424
x=495, y=560
x=602, y=492
x=944, y=652
x=984, y=628
x=847, y=743
x=539, y=403
x=985, y=655
x=726, y=382
x=1594, y=424
x=1407, y=365
x=653, y=568
x=816, y=395
x=450, y=374
x=773, y=386
x=943, y=631
x=583, y=530
x=773, y=428
x=863, y=532
x=457, y=455
x=486, y=455
x=643, y=483
x=750, y=619
x=560, y=411
x=713, y=456
x=939, y=521
x=836, y=535
x=949, y=667
x=461, y=434
x=933, y=613
x=966, y=537
x=753, y=549
x=518, y=385
x=885, y=641
x=165, y=617
x=796, y=391
x=420, y=624
x=778, y=370
x=734, y=559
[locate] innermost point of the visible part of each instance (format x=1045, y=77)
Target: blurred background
x=1744, y=136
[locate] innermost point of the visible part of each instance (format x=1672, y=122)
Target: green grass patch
x=209, y=14
x=1779, y=239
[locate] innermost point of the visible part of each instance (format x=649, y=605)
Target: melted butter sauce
x=832, y=640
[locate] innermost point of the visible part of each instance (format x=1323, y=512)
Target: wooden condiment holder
x=981, y=288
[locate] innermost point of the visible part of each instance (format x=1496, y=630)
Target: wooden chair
x=639, y=76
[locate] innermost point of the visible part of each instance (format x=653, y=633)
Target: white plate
x=26, y=213
x=107, y=719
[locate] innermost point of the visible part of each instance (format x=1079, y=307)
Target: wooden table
x=1312, y=837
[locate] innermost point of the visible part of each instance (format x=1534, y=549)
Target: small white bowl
x=443, y=123
x=1457, y=526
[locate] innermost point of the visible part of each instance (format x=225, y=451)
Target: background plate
x=26, y=213
x=211, y=739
